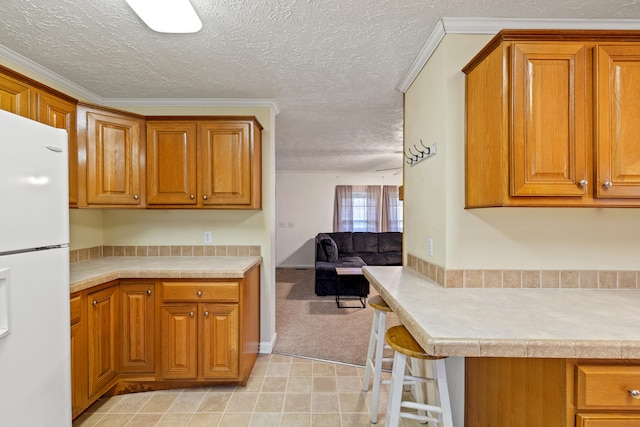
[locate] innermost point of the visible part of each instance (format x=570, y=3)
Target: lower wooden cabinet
x=137, y=326
x=501, y=392
x=102, y=335
x=200, y=340
x=146, y=334
x=79, y=358
x=608, y=420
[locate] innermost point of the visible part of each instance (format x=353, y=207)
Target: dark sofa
x=347, y=249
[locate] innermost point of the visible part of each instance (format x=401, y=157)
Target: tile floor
x=282, y=391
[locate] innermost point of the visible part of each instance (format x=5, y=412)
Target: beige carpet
x=312, y=326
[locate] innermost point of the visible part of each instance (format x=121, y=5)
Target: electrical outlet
x=430, y=246
x=207, y=237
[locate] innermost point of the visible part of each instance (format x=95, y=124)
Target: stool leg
x=417, y=372
x=442, y=391
x=373, y=337
x=395, y=390
x=377, y=369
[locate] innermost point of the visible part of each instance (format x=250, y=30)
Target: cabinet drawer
x=201, y=291
x=75, y=309
x=607, y=387
x=608, y=420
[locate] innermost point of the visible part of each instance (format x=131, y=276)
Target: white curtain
x=390, y=211
x=357, y=208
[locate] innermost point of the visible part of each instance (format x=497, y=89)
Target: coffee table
x=344, y=273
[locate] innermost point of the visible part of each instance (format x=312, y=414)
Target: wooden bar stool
x=374, y=354
x=406, y=346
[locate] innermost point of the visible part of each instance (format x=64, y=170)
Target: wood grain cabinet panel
x=227, y=149
x=112, y=157
x=219, y=338
x=608, y=420
x=617, y=140
x=79, y=356
x=551, y=120
x=137, y=327
x=549, y=142
x=179, y=342
x=102, y=309
x=204, y=163
x=15, y=96
x=59, y=113
x=171, y=169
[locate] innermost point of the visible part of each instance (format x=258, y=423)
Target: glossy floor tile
x=283, y=391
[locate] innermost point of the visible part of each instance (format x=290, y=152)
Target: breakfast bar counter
x=86, y=274
x=515, y=323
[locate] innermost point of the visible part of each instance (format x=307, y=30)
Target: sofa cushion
x=365, y=242
x=330, y=249
x=390, y=242
x=320, y=254
x=343, y=240
x=373, y=258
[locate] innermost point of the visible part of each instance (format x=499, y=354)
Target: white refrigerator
x=35, y=373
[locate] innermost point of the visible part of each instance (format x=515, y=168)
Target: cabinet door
x=219, y=338
x=61, y=114
x=225, y=163
x=618, y=127
x=103, y=339
x=79, y=392
x=171, y=164
x=113, y=159
x=549, y=145
x=15, y=96
x=137, y=329
x=608, y=420
x=179, y=342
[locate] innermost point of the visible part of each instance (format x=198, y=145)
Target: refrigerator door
x=34, y=184
x=35, y=372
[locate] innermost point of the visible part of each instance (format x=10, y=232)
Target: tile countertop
x=547, y=323
x=86, y=274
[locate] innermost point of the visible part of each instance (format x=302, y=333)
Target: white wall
x=304, y=208
x=493, y=238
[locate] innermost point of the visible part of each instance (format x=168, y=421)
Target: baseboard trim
x=266, y=347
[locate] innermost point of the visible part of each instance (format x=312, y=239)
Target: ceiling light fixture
x=167, y=16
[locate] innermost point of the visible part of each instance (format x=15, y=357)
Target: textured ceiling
x=333, y=66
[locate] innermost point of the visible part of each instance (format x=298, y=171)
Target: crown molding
x=494, y=25
x=47, y=74
x=89, y=96
x=192, y=102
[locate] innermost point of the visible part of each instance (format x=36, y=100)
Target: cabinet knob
x=135, y=197
x=206, y=314
x=95, y=302
x=634, y=393
x=583, y=183
x=205, y=197
x=607, y=184
x=191, y=314
x=148, y=291
x=192, y=197
x=199, y=293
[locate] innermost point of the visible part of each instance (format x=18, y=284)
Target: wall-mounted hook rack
x=420, y=154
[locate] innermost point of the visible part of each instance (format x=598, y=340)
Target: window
x=391, y=209
x=357, y=208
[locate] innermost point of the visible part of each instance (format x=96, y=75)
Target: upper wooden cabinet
x=204, y=162
x=28, y=98
x=61, y=113
x=171, y=166
x=550, y=118
x=111, y=155
x=15, y=95
x=617, y=76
